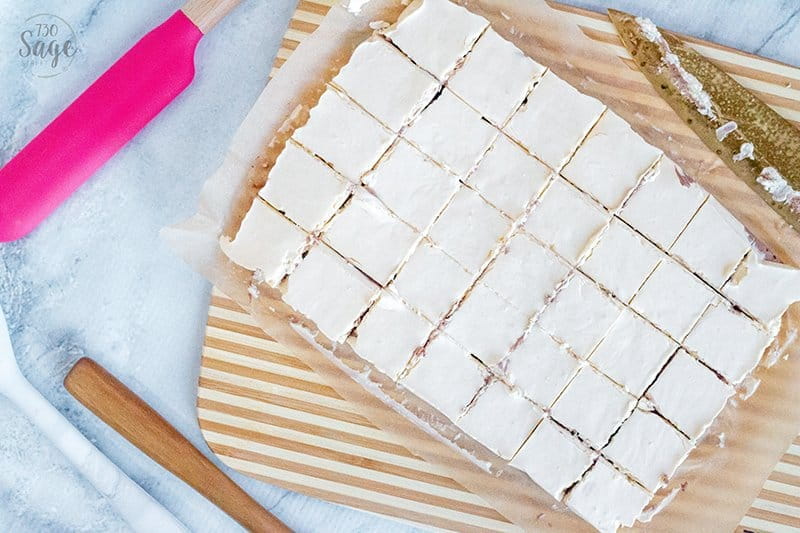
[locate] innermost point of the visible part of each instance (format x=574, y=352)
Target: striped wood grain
x=266, y=414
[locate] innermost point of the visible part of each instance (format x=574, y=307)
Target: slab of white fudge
x=661, y=207
x=266, y=242
x=452, y=133
x=554, y=120
x=436, y=34
x=371, y=237
x=486, y=325
x=673, y=299
x=344, y=135
x=580, y=315
x=689, y=395
x=383, y=81
x=304, y=188
x=713, y=244
x=553, y=458
x=431, y=281
x=469, y=229
x=508, y=177
x=495, y=78
x=607, y=499
x=446, y=377
x=728, y=342
x=621, y=260
x=763, y=289
x=389, y=334
x=611, y=161
x=526, y=273
x=632, y=353
x=593, y=406
x=648, y=448
x=410, y=184
x=586, y=220
x=329, y=291
x=500, y=419
x=540, y=367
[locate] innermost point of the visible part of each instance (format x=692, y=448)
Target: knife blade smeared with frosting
x=754, y=141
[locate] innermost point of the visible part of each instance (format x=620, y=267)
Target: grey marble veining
x=95, y=279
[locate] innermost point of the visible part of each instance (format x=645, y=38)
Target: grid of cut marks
x=569, y=179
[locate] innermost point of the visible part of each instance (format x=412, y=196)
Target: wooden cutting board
x=266, y=414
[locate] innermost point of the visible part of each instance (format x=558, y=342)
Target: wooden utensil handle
x=207, y=13
x=131, y=417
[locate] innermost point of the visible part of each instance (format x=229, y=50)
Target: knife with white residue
x=754, y=141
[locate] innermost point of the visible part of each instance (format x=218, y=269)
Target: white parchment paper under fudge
x=527, y=281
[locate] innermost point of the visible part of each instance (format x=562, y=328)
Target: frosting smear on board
x=519, y=259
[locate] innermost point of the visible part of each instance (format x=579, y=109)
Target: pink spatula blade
x=96, y=125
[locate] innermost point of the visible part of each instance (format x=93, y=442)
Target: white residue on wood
x=686, y=83
x=780, y=190
x=726, y=129
x=745, y=152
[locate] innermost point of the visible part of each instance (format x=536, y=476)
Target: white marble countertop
x=95, y=279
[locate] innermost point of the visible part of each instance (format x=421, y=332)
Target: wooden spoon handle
x=131, y=417
x=207, y=13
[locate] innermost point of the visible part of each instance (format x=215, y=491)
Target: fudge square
x=611, y=160
x=689, y=395
x=649, y=448
x=553, y=458
x=661, y=207
x=728, y=342
x=411, y=185
x=492, y=59
x=554, y=120
x=633, y=352
x=546, y=221
x=713, y=244
x=389, y=334
x=486, y=325
x=431, y=281
x=508, y=177
x=452, y=133
x=304, y=188
x=383, y=81
x=445, y=376
x=329, y=291
x=500, y=419
x=540, y=367
x=343, y=135
x=621, y=260
x=371, y=237
x=593, y=406
x=436, y=34
x=607, y=499
x=579, y=315
x=266, y=243
x=526, y=273
x=673, y=299
x=469, y=229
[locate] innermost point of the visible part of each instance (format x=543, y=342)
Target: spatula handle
x=132, y=418
x=207, y=13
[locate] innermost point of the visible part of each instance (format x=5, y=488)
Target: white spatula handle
x=135, y=506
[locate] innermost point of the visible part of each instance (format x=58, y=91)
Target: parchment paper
x=716, y=484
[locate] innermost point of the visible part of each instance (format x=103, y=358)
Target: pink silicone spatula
x=104, y=118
